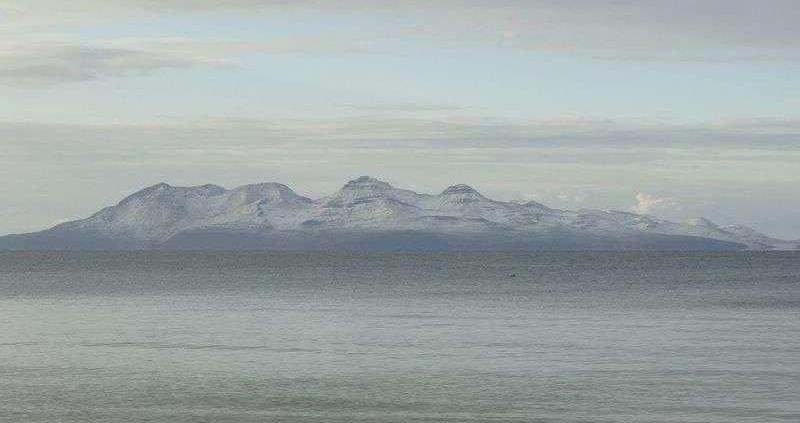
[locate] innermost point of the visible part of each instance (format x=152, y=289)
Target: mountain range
x=369, y=214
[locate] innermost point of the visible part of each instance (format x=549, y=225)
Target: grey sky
x=675, y=108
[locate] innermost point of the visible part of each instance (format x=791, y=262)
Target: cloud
x=702, y=154
x=33, y=62
x=57, y=62
x=574, y=198
x=404, y=107
x=651, y=204
x=679, y=30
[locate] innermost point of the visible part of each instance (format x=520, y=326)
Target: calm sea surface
x=349, y=337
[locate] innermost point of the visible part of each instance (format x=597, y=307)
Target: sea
x=399, y=337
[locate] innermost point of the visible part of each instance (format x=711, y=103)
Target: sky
x=678, y=109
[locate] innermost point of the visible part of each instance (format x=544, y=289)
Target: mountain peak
x=359, y=188
x=461, y=190
x=161, y=186
x=152, y=190
x=365, y=181
x=366, y=184
x=535, y=204
x=269, y=192
x=207, y=189
x=264, y=186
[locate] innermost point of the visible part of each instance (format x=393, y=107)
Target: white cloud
x=570, y=198
x=651, y=204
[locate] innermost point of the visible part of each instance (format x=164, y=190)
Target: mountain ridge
x=367, y=213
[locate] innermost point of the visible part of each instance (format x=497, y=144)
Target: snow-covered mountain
x=367, y=213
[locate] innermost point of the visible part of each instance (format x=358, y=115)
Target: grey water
x=399, y=337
